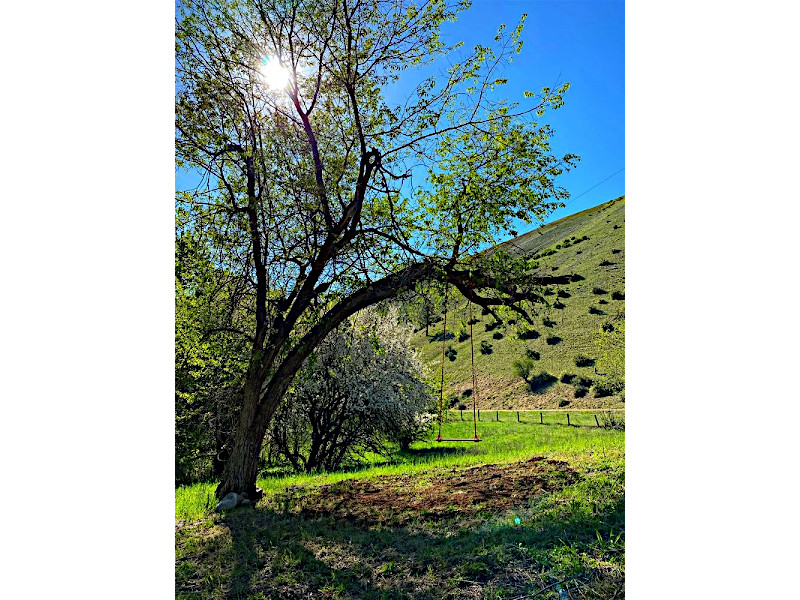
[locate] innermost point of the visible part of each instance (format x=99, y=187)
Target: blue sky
x=582, y=42
x=579, y=41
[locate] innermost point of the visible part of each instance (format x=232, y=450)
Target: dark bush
x=581, y=391
x=608, y=327
x=606, y=263
x=439, y=337
x=498, y=335
x=512, y=321
x=473, y=321
x=486, y=347
x=564, y=403
x=576, y=277
x=585, y=382
x=567, y=378
x=616, y=226
x=462, y=406
x=467, y=393
x=541, y=381
x=554, y=268
x=532, y=354
x=586, y=237
x=484, y=311
x=616, y=251
x=593, y=310
x=558, y=246
x=463, y=336
x=584, y=361
x=553, y=340
x=618, y=296
x=548, y=323
x=563, y=294
x=528, y=334
x=559, y=305
x=579, y=252
x=493, y=325
x=602, y=301
x=599, y=291
x=548, y=292
x=451, y=353
x=607, y=388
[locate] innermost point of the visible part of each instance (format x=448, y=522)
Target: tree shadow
x=278, y=554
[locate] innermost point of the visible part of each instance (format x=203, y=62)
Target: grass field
x=534, y=510
x=600, y=260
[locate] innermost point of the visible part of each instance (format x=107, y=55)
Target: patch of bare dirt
x=434, y=495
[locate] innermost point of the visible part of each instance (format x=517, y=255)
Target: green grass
x=498, y=386
x=504, y=441
x=572, y=534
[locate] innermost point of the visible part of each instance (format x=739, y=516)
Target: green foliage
x=486, y=347
x=532, y=354
x=498, y=335
x=522, y=368
x=451, y=352
x=584, y=361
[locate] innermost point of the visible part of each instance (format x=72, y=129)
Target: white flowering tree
x=362, y=388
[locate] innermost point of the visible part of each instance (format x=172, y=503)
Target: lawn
x=534, y=510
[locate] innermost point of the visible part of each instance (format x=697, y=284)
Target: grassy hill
x=590, y=243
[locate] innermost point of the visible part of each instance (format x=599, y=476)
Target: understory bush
x=362, y=389
x=486, y=347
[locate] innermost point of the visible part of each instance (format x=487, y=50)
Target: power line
x=594, y=186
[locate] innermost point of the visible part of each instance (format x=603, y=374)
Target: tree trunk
x=241, y=469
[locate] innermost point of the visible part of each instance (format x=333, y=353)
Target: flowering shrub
x=362, y=388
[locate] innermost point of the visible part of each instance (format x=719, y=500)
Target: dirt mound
x=434, y=495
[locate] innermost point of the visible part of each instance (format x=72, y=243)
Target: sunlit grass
x=502, y=442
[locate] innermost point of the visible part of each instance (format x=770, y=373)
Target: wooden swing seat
x=439, y=439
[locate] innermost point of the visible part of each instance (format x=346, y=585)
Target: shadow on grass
x=277, y=555
x=273, y=552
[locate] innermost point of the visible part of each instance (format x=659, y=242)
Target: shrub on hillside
x=441, y=336
x=567, y=378
x=616, y=251
x=548, y=323
x=618, y=296
x=606, y=263
x=576, y=277
x=607, y=387
x=564, y=403
x=463, y=336
x=607, y=327
x=599, y=291
x=593, y=310
x=498, y=335
x=532, y=354
x=584, y=361
x=467, y=393
x=451, y=352
x=486, y=347
x=563, y=294
x=548, y=292
x=581, y=391
x=553, y=340
x=493, y=325
x=541, y=381
x=602, y=301
x=528, y=334
x=559, y=305
x=523, y=368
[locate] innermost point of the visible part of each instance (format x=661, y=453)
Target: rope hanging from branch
x=439, y=438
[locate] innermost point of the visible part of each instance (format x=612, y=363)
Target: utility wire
x=594, y=186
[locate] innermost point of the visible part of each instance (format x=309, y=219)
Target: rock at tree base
x=229, y=502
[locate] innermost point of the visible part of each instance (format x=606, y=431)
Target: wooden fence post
x=541, y=417
x=517, y=416
x=497, y=416
x=567, y=418
x=596, y=421
x=479, y=414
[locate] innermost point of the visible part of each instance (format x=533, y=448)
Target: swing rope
x=439, y=438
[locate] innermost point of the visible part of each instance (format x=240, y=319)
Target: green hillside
x=591, y=244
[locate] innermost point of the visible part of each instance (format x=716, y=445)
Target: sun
x=275, y=75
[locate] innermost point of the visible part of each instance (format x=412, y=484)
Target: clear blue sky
x=582, y=42
x=579, y=41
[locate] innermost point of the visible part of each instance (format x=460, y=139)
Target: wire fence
x=598, y=417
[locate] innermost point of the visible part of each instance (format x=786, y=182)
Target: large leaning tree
x=325, y=190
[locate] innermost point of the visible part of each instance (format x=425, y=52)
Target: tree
x=311, y=193
x=362, y=387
